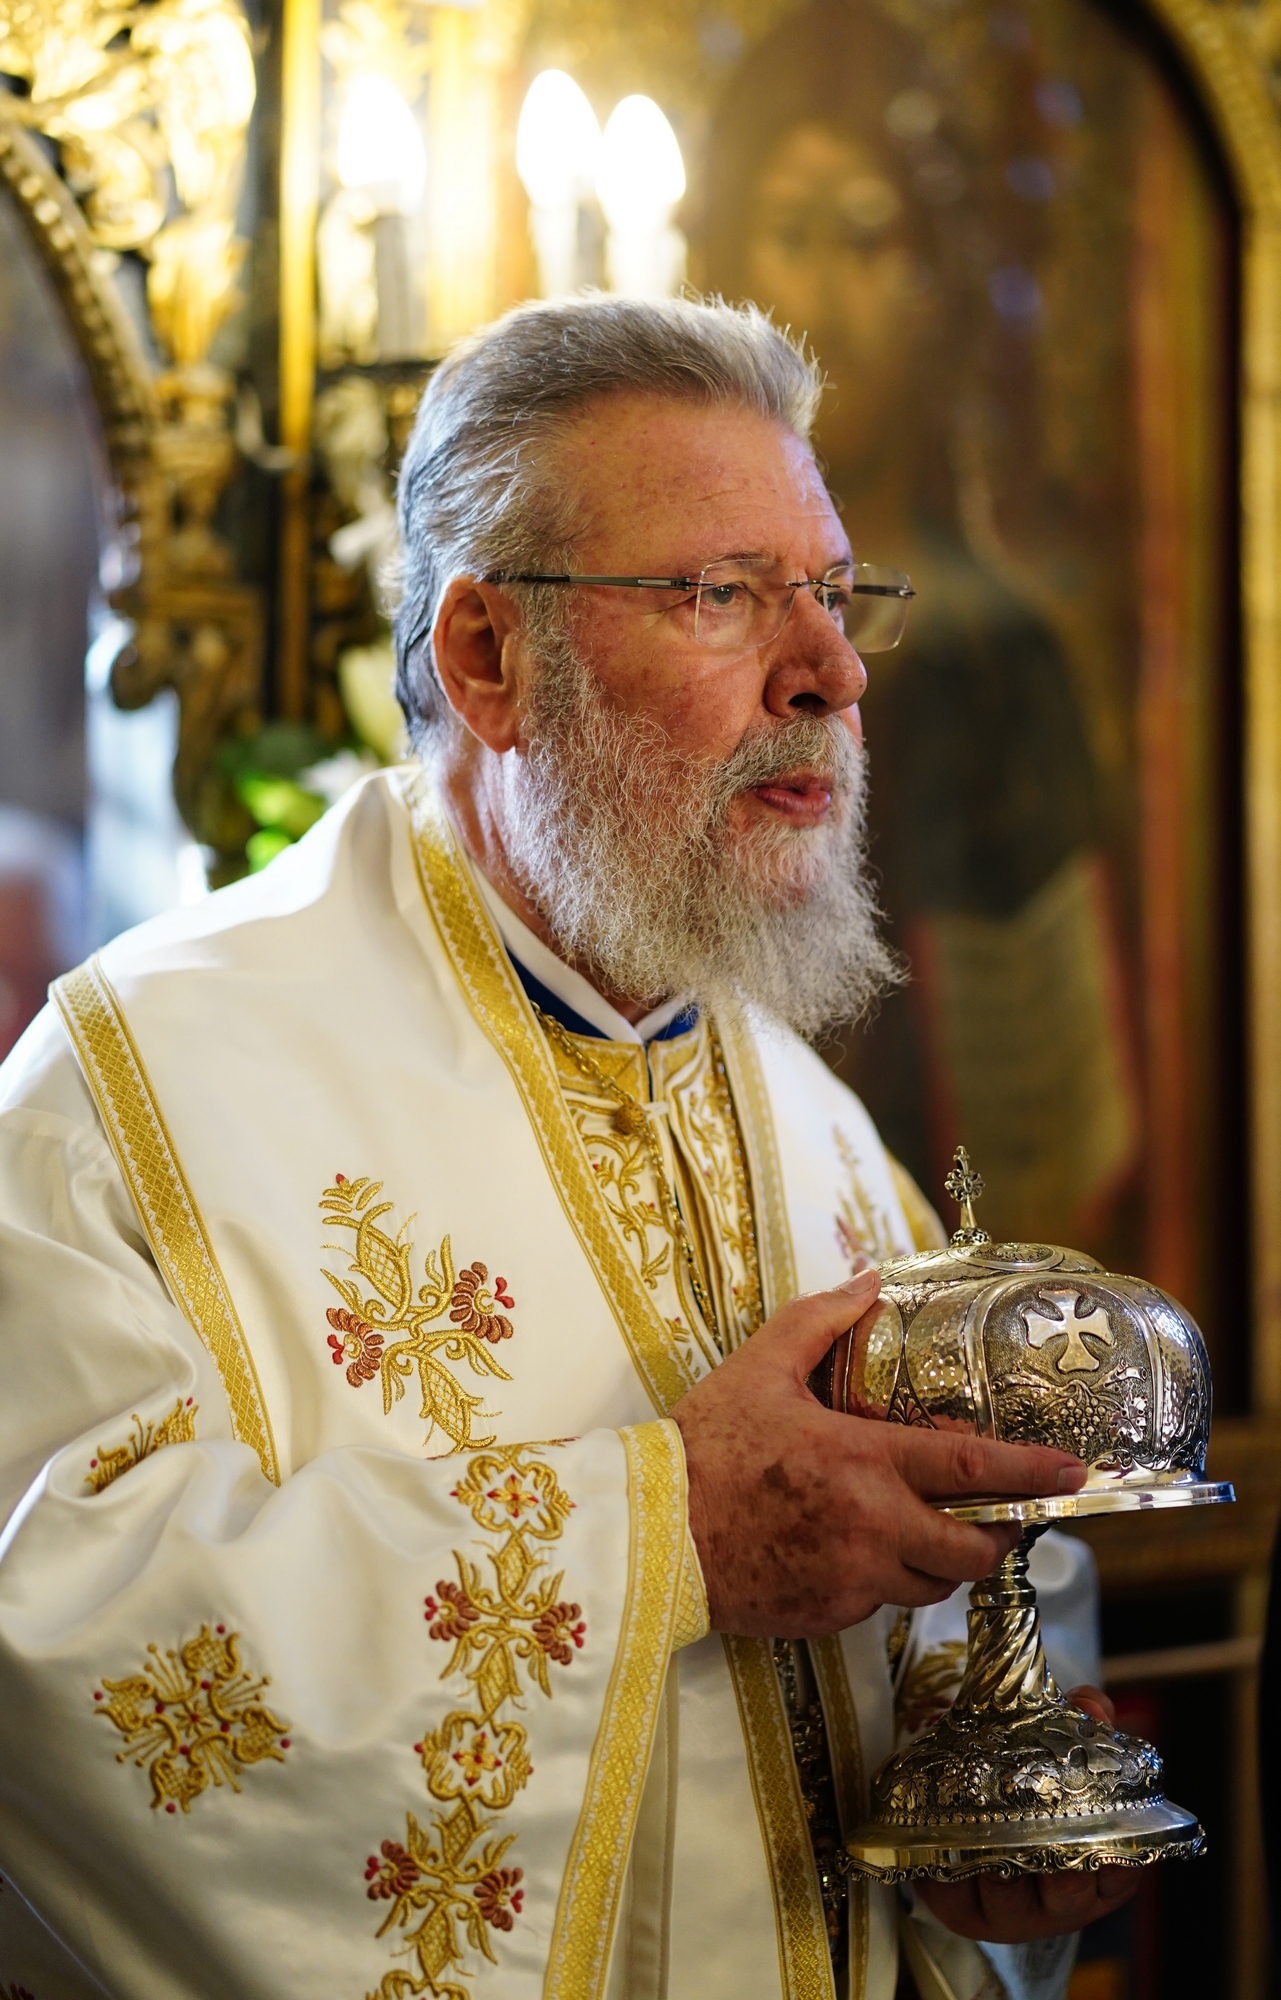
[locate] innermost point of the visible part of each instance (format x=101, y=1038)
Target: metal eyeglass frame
x=903, y=591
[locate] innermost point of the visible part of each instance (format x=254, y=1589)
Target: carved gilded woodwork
x=136, y=99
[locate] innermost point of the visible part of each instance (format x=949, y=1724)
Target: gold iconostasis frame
x=129, y=137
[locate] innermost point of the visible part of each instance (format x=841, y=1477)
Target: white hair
x=477, y=486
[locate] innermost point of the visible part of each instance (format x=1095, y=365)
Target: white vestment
x=322, y=1671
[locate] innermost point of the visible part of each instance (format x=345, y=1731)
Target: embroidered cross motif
x=179, y=1427
x=1075, y=1358
x=193, y=1717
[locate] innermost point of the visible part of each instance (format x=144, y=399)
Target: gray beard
x=623, y=845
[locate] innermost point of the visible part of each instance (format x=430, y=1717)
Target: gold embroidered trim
x=587, y=1912
x=804, y=1957
x=166, y=1206
x=363, y=1324
x=619, y=1155
x=446, y=1896
x=845, y=1749
x=756, y=1123
x=804, y=1960
x=179, y=1427
x=693, y=1620
x=499, y=1004
x=193, y=1717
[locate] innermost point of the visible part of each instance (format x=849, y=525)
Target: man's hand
x=806, y=1521
x=1032, y=1906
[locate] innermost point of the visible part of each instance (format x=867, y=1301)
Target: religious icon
x=972, y=213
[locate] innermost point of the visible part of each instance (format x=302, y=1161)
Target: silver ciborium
x=1038, y=1345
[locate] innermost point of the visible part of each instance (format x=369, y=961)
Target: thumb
x=804, y=1330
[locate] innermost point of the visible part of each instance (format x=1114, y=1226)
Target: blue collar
x=550, y=1003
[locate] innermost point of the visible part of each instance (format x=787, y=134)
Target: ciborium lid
x=1036, y=1344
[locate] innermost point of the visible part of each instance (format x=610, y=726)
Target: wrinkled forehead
x=662, y=474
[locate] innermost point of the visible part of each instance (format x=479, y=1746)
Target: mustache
x=775, y=750
x=779, y=749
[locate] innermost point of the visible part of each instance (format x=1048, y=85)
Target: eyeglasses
x=736, y=606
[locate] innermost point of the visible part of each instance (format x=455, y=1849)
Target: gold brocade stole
x=682, y=1085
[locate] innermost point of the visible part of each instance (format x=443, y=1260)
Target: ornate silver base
x=1126, y=1840
x=1011, y=1779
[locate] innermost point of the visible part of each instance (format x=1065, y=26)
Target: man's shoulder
x=801, y=1084
x=828, y=1140
x=300, y=898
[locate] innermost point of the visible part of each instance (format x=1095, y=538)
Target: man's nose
x=812, y=667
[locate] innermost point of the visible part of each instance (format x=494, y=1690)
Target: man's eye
x=834, y=600
x=722, y=596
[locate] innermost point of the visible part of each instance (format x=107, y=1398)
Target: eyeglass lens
x=735, y=606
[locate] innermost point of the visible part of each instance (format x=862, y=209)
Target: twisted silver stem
x=1006, y=1669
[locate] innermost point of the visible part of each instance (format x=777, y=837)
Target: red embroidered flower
x=474, y=1307
x=498, y=1896
x=454, y=1615
x=556, y=1631
x=359, y=1345
x=394, y=1876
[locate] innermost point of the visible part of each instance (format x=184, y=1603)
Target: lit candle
x=557, y=150
x=640, y=180
x=381, y=153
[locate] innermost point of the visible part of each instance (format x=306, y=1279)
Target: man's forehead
x=657, y=465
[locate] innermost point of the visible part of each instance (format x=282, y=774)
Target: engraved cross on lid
x=965, y=1185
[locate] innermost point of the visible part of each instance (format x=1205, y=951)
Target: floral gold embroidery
x=448, y=1883
x=179, y=1427
x=661, y=1133
x=387, y=1329
x=523, y=1619
x=862, y=1229
x=436, y=1875
x=194, y=1718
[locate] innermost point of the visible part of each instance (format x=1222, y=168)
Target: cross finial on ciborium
x=965, y=1185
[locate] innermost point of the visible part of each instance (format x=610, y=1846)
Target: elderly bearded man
x=470, y=1125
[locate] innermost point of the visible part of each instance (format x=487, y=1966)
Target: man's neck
x=481, y=839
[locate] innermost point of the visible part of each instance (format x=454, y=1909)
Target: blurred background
x=1036, y=247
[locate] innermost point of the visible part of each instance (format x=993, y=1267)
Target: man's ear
x=481, y=660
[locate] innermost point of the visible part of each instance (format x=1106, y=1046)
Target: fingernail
x=1072, y=1478
x=852, y=1284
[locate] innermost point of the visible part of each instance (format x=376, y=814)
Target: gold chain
x=633, y=1121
